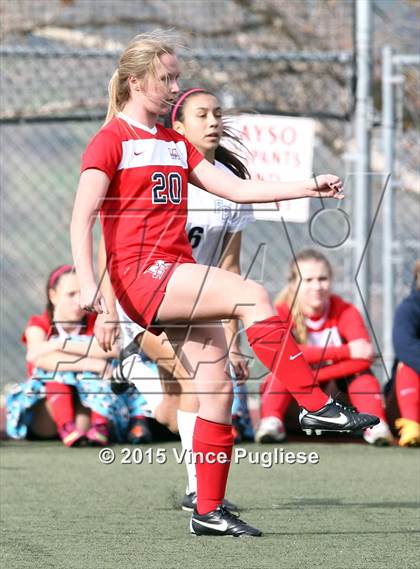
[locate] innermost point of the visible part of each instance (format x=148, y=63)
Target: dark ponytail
x=231, y=159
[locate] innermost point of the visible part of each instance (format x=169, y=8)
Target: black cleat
x=221, y=522
x=120, y=382
x=335, y=417
x=190, y=501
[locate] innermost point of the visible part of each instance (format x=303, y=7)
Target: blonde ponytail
x=113, y=107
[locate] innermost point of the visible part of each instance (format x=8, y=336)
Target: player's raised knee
x=258, y=294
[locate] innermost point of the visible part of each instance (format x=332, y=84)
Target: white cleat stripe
x=341, y=420
x=220, y=526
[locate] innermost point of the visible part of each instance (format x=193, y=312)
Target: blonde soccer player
x=135, y=172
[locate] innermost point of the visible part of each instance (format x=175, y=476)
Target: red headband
x=181, y=100
x=57, y=273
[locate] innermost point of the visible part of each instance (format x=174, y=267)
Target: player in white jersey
x=214, y=226
x=212, y=221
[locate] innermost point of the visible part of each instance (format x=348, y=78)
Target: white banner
x=278, y=149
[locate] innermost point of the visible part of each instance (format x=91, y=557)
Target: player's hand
x=327, y=186
x=240, y=366
x=107, y=330
x=361, y=350
x=91, y=299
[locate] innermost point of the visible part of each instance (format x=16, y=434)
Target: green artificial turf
x=62, y=508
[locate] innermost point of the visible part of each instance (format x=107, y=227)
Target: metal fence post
x=363, y=123
x=388, y=147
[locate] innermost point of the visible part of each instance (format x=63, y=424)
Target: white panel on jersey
x=320, y=339
x=153, y=152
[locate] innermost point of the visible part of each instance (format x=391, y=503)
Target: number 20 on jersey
x=167, y=187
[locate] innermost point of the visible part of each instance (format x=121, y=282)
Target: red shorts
x=141, y=292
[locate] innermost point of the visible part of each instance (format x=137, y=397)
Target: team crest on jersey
x=224, y=209
x=174, y=153
x=158, y=269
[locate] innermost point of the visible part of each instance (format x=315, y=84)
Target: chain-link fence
x=407, y=222
x=56, y=60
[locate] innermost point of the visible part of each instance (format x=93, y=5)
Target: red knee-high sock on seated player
x=407, y=387
x=214, y=438
x=273, y=344
x=60, y=398
x=365, y=393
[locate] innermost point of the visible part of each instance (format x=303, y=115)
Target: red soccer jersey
x=328, y=337
x=43, y=321
x=145, y=209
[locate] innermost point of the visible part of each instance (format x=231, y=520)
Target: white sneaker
x=379, y=435
x=270, y=430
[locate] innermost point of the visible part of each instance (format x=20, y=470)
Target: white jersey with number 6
x=210, y=218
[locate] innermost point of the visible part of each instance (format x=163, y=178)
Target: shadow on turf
x=361, y=532
x=174, y=498
x=336, y=503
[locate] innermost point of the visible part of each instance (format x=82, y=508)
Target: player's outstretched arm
x=92, y=189
x=220, y=183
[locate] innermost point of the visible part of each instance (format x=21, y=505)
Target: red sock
x=214, y=438
x=407, y=387
x=275, y=399
x=97, y=419
x=365, y=393
x=275, y=347
x=60, y=398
